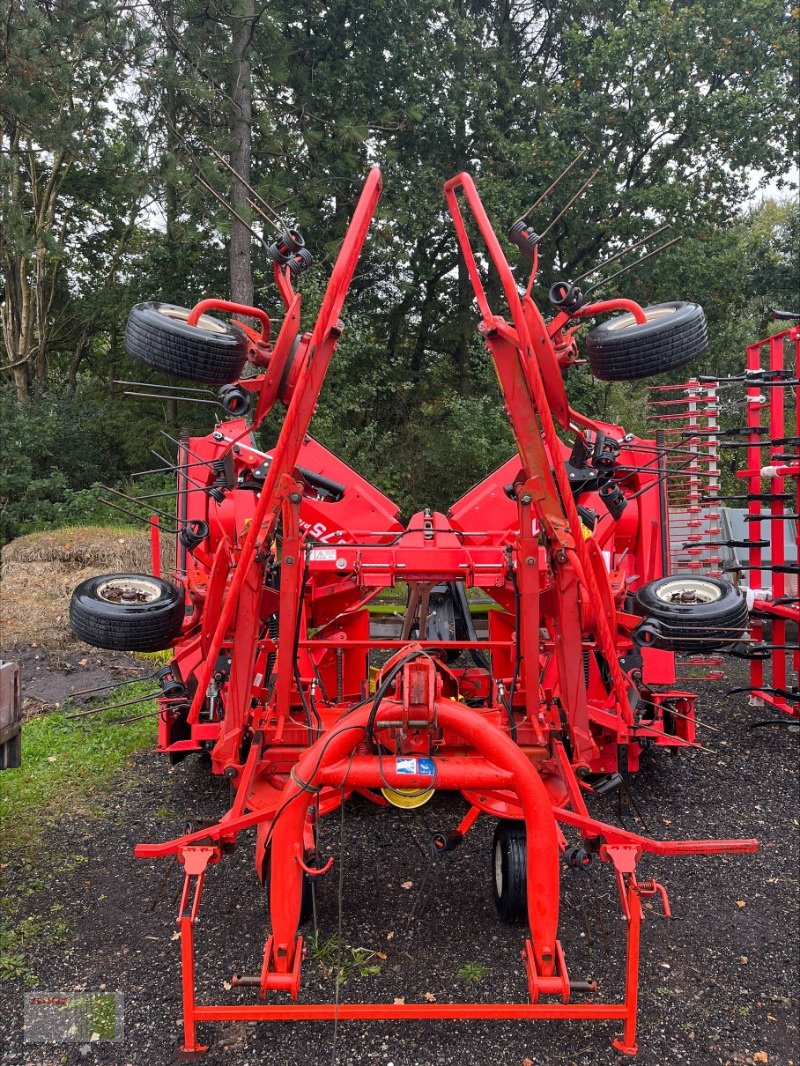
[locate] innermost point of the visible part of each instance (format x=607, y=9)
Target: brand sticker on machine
x=408, y=765
x=323, y=555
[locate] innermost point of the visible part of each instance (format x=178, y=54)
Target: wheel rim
x=498, y=870
x=129, y=591
x=179, y=314
x=688, y=590
x=651, y=314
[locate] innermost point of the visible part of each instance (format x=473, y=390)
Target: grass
x=65, y=765
x=339, y=961
x=17, y=935
x=473, y=972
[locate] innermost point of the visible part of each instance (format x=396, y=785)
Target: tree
x=59, y=108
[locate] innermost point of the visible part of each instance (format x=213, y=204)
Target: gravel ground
x=718, y=981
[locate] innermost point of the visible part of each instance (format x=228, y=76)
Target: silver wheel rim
x=179, y=314
x=498, y=871
x=126, y=591
x=651, y=314
x=688, y=590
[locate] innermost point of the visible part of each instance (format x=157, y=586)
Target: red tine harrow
x=281, y=553
x=774, y=682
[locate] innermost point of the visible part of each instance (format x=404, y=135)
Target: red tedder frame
x=283, y=554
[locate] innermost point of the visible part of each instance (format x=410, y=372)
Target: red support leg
x=627, y=1042
x=195, y=862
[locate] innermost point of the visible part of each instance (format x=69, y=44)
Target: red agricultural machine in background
x=277, y=672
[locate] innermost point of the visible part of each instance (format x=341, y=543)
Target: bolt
x=217, y=435
x=341, y=564
x=525, y=499
x=289, y=560
x=561, y=556
x=295, y=497
x=530, y=561
x=236, y=449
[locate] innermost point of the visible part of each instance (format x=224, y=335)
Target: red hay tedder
x=273, y=669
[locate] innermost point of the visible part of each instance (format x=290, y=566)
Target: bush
x=53, y=449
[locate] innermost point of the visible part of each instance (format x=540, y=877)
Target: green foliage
x=64, y=763
x=53, y=449
x=473, y=972
x=102, y=139
x=338, y=961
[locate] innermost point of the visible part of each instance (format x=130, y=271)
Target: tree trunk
x=241, y=152
x=460, y=145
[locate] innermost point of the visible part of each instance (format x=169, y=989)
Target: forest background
x=111, y=111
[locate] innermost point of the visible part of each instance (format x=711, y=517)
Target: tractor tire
x=510, y=871
x=685, y=613
x=212, y=352
x=127, y=612
x=674, y=334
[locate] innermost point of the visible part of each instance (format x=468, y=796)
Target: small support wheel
x=212, y=352
x=127, y=612
x=685, y=613
x=510, y=871
x=621, y=349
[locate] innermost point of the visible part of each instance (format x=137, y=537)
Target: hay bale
x=40, y=570
x=76, y=548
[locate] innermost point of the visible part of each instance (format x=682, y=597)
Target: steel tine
x=196, y=166
x=175, y=468
x=619, y=255
x=231, y=210
x=137, y=517
x=170, y=396
x=134, y=718
x=134, y=499
x=252, y=203
x=276, y=220
x=172, y=492
x=569, y=203
x=631, y=266
x=113, y=706
x=111, y=684
x=183, y=444
x=160, y=385
x=550, y=188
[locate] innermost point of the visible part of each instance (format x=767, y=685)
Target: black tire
x=213, y=351
x=691, y=613
x=620, y=349
x=510, y=871
x=126, y=612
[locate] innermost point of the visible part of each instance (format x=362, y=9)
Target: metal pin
x=137, y=517
x=113, y=684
